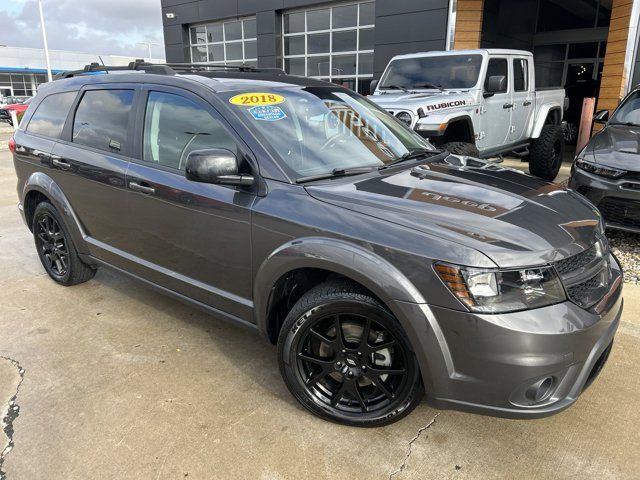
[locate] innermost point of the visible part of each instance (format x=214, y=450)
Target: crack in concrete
x=403, y=465
x=13, y=410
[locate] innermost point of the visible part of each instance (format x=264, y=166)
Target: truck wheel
x=547, y=152
x=346, y=358
x=462, y=148
x=56, y=249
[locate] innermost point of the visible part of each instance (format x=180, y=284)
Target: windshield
x=317, y=130
x=629, y=111
x=450, y=71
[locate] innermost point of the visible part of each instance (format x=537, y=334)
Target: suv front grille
x=621, y=211
x=586, y=276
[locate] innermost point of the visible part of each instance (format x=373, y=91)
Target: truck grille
x=621, y=211
x=586, y=276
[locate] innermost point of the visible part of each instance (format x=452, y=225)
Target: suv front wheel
x=345, y=357
x=56, y=249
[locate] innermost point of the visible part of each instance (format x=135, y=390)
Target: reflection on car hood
x=515, y=219
x=618, y=146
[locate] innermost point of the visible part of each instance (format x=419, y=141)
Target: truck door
x=496, y=116
x=522, y=100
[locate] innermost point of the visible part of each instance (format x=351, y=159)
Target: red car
x=5, y=111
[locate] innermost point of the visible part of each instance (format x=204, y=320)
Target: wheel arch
x=459, y=129
x=548, y=115
x=41, y=187
x=331, y=257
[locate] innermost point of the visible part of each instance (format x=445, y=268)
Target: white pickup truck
x=479, y=103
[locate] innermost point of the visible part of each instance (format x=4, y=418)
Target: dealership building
x=590, y=47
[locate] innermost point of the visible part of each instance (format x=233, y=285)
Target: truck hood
x=514, y=219
x=429, y=101
x=618, y=146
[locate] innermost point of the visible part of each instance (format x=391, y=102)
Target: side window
x=102, y=118
x=51, y=114
x=497, y=66
x=175, y=126
x=520, y=75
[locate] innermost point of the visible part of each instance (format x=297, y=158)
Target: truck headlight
x=405, y=117
x=500, y=291
x=600, y=170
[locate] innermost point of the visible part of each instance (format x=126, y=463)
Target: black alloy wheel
x=346, y=358
x=56, y=249
x=52, y=245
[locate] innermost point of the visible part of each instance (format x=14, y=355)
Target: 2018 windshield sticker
x=252, y=99
x=267, y=113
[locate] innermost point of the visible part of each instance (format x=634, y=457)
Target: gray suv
x=382, y=268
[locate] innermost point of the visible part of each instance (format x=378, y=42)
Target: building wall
x=402, y=26
x=469, y=18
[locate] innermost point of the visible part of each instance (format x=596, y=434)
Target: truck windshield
x=319, y=130
x=450, y=71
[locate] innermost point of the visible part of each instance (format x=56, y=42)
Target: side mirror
x=372, y=86
x=216, y=165
x=601, y=116
x=496, y=84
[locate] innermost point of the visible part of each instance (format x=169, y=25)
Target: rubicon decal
x=440, y=106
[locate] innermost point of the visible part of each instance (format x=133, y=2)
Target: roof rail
x=165, y=68
x=200, y=67
x=138, y=65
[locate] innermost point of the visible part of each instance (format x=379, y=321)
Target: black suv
x=381, y=267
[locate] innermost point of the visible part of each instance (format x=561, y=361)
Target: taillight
x=12, y=145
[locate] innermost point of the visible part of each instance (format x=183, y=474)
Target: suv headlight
x=600, y=170
x=499, y=291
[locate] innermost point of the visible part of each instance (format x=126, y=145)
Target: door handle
x=526, y=104
x=507, y=105
x=61, y=164
x=141, y=188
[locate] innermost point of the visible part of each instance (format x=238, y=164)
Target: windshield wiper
x=626, y=124
x=414, y=154
x=336, y=172
x=396, y=87
x=429, y=85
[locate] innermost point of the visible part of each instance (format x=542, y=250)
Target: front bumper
x=617, y=199
x=489, y=363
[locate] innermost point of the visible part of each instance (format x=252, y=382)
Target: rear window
x=102, y=119
x=49, y=117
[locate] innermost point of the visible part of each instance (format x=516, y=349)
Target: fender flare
x=43, y=183
x=374, y=273
x=542, y=115
x=433, y=121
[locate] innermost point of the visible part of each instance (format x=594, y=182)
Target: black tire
x=546, y=153
x=55, y=248
x=462, y=148
x=339, y=377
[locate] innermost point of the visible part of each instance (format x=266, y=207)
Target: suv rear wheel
x=55, y=248
x=346, y=358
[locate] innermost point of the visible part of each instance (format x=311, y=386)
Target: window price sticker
x=267, y=113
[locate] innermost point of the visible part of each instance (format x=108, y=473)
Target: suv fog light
x=541, y=390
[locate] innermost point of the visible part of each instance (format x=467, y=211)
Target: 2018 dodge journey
x=382, y=268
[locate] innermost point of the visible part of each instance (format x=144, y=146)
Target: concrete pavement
x=122, y=382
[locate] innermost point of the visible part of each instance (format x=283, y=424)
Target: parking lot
x=110, y=379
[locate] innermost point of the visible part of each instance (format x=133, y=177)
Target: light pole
x=148, y=44
x=44, y=39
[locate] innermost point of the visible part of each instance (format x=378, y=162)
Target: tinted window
x=51, y=114
x=629, y=111
x=520, y=75
x=497, y=66
x=102, y=118
x=175, y=126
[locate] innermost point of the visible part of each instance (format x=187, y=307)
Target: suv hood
x=428, y=101
x=514, y=219
x=618, y=146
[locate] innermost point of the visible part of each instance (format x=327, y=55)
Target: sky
x=93, y=26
